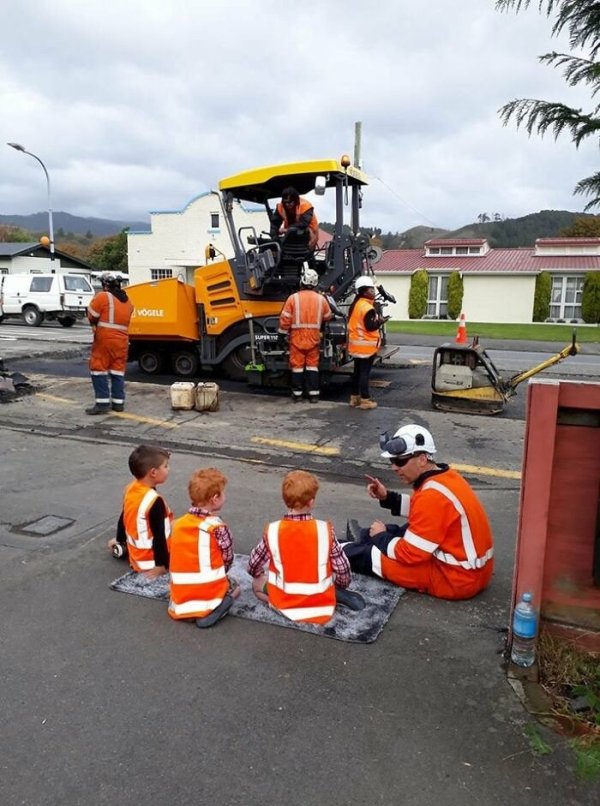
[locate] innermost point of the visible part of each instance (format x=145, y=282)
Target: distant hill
x=511, y=232
x=99, y=227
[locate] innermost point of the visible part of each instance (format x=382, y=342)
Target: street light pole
x=50, y=222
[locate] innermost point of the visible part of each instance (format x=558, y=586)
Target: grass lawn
x=534, y=332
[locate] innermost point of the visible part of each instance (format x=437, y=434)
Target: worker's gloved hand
x=282, y=341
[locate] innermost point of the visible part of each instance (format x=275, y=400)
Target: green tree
x=417, y=296
x=541, y=298
x=583, y=227
x=590, y=298
x=455, y=294
x=581, y=18
x=110, y=254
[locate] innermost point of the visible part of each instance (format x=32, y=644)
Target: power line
x=414, y=209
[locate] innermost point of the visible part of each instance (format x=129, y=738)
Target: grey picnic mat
x=362, y=626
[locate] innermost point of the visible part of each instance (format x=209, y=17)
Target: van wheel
x=67, y=321
x=151, y=362
x=32, y=316
x=185, y=363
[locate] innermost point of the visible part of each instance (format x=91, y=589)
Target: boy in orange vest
x=145, y=523
x=306, y=564
x=201, y=553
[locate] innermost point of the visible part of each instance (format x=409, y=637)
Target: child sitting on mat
x=305, y=561
x=201, y=553
x=145, y=522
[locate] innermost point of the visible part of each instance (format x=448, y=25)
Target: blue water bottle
x=524, y=632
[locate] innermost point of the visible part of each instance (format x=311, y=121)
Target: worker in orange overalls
x=446, y=547
x=364, y=341
x=296, y=217
x=109, y=314
x=301, y=319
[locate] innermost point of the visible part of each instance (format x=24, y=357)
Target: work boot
x=118, y=407
x=216, y=615
x=350, y=599
x=354, y=400
x=353, y=531
x=296, y=398
x=313, y=398
x=367, y=403
x=96, y=409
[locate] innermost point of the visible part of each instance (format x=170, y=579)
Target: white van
x=39, y=297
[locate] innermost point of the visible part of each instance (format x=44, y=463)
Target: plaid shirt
x=222, y=536
x=340, y=566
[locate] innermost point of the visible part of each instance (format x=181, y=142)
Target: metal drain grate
x=43, y=527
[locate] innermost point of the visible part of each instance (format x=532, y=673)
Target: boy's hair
x=146, y=457
x=298, y=488
x=204, y=484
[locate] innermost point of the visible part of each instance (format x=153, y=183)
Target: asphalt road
x=106, y=700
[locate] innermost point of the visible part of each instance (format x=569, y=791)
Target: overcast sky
x=140, y=105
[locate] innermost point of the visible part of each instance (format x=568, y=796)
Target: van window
x=77, y=284
x=41, y=283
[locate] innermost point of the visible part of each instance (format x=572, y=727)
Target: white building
x=176, y=243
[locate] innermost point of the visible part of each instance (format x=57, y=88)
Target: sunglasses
x=400, y=462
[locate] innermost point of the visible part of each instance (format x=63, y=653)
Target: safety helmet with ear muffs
x=309, y=277
x=407, y=440
x=110, y=280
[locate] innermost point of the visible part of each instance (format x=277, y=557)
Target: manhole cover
x=44, y=526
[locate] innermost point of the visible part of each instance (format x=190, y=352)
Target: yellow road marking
x=56, y=399
x=296, y=446
x=138, y=419
x=488, y=471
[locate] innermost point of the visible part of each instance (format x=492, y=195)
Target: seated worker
x=295, y=218
x=304, y=558
x=446, y=548
x=145, y=522
x=201, y=553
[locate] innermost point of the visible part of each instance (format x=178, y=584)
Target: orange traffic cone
x=461, y=333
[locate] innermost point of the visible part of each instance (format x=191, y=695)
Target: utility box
x=558, y=542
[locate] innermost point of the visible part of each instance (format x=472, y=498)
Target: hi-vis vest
x=300, y=582
x=362, y=343
x=137, y=502
x=300, y=210
x=106, y=311
x=198, y=579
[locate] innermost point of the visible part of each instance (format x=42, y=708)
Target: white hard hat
x=364, y=281
x=309, y=277
x=407, y=440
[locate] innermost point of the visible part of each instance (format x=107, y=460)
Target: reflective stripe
x=303, y=588
x=144, y=538
x=197, y=577
x=145, y=565
x=392, y=546
x=113, y=326
x=479, y=562
x=420, y=542
x=376, y=556
x=195, y=606
x=98, y=372
x=472, y=561
x=304, y=613
x=115, y=372
x=204, y=541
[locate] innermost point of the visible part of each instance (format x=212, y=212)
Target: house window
x=214, y=221
x=462, y=250
x=437, y=295
x=161, y=274
x=446, y=250
x=565, y=299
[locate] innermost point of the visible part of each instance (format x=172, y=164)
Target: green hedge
x=455, y=295
x=590, y=298
x=541, y=300
x=417, y=296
